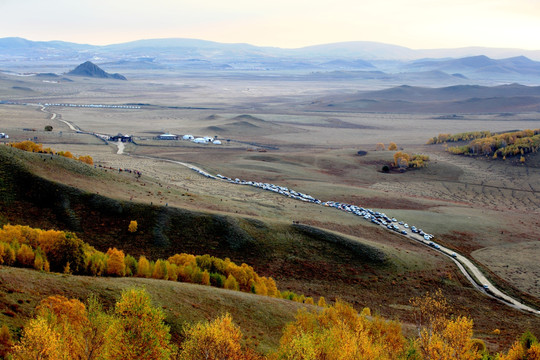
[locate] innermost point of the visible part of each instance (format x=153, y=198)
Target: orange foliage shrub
x=339, y=332
x=115, y=262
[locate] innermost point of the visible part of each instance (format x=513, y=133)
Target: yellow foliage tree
x=132, y=226
x=39, y=341
x=231, y=283
x=219, y=339
x=25, y=256
x=401, y=159
x=339, y=332
x=392, y=146
x=379, y=147
x=139, y=332
x=115, y=262
x=440, y=337
x=87, y=159
x=143, y=267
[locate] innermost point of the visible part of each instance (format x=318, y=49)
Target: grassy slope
x=383, y=273
x=261, y=318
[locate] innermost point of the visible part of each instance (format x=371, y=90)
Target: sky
x=417, y=24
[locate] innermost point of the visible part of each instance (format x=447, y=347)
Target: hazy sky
x=417, y=24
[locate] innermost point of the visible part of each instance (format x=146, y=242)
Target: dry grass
x=260, y=318
x=470, y=204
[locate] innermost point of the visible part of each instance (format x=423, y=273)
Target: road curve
x=476, y=277
x=471, y=271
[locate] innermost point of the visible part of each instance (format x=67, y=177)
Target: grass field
x=486, y=209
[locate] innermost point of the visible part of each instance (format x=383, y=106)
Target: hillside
x=382, y=273
x=261, y=318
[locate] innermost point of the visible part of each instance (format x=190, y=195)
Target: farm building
x=200, y=140
x=217, y=142
x=122, y=138
x=188, y=137
x=167, y=136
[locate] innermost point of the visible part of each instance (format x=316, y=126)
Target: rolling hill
x=370, y=267
x=452, y=99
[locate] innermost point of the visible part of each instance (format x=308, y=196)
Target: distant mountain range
x=338, y=59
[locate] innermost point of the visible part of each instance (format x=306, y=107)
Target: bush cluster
x=30, y=146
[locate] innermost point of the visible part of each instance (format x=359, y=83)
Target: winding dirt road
x=471, y=271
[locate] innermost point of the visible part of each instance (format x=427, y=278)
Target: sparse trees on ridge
x=30, y=146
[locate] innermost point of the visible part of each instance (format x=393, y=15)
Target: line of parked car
x=375, y=217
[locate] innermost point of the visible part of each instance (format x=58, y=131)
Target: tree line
x=31, y=146
x=493, y=144
x=62, y=251
x=135, y=329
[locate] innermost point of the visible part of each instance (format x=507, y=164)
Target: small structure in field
x=217, y=142
x=4, y=136
x=188, y=137
x=167, y=136
x=199, y=140
x=122, y=138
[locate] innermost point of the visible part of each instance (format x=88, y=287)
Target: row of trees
x=60, y=251
x=464, y=136
x=30, y=146
x=495, y=145
x=135, y=329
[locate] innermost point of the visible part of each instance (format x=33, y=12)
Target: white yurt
x=188, y=137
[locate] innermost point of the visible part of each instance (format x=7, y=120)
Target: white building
x=188, y=137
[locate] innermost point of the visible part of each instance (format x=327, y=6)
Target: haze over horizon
x=416, y=24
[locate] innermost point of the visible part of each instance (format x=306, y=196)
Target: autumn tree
x=115, y=262
x=25, y=256
x=339, y=332
x=67, y=249
x=231, y=283
x=139, y=332
x=440, y=337
x=392, y=146
x=401, y=159
x=6, y=341
x=216, y=340
x=132, y=226
x=379, y=147
x=143, y=267
x=87, y=159
x=57, y=332
x=131, y=265
x=39, y=341
x=525, y=348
